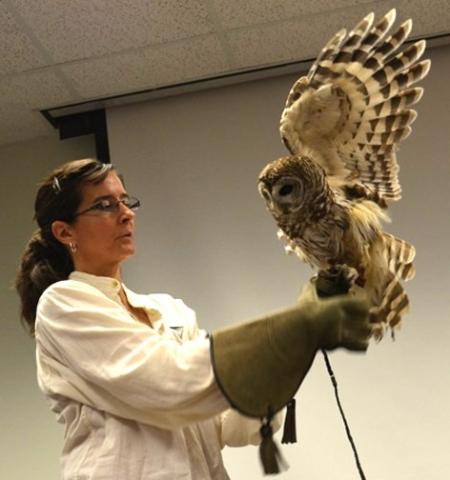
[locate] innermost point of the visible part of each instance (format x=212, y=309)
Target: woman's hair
x=46, y=260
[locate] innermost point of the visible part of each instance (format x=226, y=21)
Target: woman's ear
x=63, y=232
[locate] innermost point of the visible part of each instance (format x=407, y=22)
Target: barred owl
x=342, y=124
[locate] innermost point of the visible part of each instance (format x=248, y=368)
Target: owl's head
x=289, y=185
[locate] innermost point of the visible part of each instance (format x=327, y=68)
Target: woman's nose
x=125, y=213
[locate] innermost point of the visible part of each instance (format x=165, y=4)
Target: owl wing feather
x=353, y=108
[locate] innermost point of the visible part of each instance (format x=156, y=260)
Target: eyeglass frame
x=116, y=204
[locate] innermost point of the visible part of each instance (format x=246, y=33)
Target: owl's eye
x=286, y=190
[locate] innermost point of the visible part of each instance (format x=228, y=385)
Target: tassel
x=290, y=430
x=270, y=455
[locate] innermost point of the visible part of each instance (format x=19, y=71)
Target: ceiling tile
x=275, y=43
x=81, y=29
x=235, y=13
x=428, y=17
x=17, y=53
x=280, y=42
x=34, y=90
x=176, y=19
x=18, y=124
x=147, y=68
x=293, y=40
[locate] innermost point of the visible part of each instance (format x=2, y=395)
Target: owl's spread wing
x=353, y=108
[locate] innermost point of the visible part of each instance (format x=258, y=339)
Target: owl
x=342, y=125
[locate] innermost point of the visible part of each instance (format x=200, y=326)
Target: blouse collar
x=111, y=287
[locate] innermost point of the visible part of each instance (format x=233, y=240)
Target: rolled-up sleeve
x=92, y=350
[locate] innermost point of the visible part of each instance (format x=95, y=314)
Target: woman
x=142, y=392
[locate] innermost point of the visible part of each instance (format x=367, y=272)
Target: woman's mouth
x=126, y=235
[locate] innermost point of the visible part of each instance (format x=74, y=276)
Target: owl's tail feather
x=394, y=302
x=400, y=255
x=394, y=305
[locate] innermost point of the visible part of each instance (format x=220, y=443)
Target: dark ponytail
x=43, y=262
x=46, y=260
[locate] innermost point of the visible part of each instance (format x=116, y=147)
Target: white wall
x=204, y=235
x=30, y=439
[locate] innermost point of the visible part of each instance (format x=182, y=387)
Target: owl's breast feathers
x=341, y=233
x=318, y=237
x=321, y=220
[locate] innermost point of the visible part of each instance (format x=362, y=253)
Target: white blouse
x=137, y=402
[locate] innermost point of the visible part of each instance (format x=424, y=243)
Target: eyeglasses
x=109, y=205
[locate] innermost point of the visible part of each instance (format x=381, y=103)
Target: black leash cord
x=347, y=429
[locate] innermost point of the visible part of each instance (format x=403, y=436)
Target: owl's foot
x=336, y=280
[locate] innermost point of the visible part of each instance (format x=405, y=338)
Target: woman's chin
x=129, y=251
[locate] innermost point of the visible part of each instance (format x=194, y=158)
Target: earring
x=73, y=247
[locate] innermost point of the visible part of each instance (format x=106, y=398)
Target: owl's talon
x=336, y=280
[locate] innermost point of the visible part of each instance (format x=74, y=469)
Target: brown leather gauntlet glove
x=259, y=365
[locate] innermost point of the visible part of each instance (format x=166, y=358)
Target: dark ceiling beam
x=85, y=123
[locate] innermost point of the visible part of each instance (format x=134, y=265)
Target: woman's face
x=103, y=239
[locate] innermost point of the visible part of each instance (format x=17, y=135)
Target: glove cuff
x=254, y=376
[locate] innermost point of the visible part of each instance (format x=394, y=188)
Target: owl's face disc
x=283, y=196
x=286, y=184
